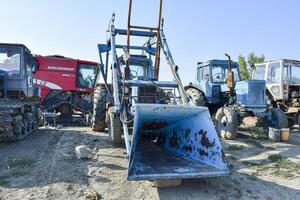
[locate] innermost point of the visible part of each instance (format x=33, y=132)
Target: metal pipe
x=143, y=27
x=157, y=52
x=170, y=60
x=229, y=61
x=126, y=134
x=128, y=32
x=114, y=68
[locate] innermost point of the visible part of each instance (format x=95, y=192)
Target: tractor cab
x=280, y=76
x=212, y=76
x=16, y=68
x=282, y=85
x=140, y=67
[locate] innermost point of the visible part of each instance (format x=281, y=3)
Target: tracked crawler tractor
x=19, y=101
x=165, y=137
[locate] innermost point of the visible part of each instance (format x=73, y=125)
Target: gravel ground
x=44, y=166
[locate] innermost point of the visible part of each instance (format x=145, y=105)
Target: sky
x=196, y=30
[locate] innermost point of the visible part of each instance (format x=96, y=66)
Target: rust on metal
x=174, y=140
x=157, y=52
x=154, y=124
x=188, y=148
x=204, y=139
x=203, y=153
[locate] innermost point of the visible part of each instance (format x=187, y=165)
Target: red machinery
x=67, y=86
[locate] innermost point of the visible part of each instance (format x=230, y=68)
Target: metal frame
x=118, y=80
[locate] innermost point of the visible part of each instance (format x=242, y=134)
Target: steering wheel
x=219, y=76
x=133, y=74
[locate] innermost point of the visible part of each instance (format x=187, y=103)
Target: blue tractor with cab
x=219, y=86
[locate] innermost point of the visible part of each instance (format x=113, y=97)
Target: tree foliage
x=243, y=67
x=252, y=59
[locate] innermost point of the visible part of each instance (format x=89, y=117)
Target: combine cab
x=171, y=139
x=67, y=87
x=19, y=100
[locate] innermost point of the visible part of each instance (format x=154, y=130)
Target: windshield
x=274, y=73
x=219, y=73
x=259, y=72
x=291, y=73
x=10, y=61
x=137, y=71
x=87, y=75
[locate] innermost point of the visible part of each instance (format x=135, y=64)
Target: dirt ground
x=44, y=166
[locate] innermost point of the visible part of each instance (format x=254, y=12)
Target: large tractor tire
x=227, y=123
x=114, y=126
x=295, y=119
x=197, y=96
x=99, y=111
x=279, y=119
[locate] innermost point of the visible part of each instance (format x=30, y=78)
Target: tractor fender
x=197, y=87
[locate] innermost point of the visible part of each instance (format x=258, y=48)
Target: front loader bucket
x=175, y=142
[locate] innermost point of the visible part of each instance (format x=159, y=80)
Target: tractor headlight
x=268, y=102
x=170, y=94
x=238, y=102
x=275, y=90
x=126, y=90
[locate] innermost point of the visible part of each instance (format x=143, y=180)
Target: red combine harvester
x=67, y=87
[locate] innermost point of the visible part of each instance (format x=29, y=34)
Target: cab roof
x=215, y=62
x=14, y=44
x=284, y=60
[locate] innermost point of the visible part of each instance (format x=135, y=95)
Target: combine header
x=171, y=139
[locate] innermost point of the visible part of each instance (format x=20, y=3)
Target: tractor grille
x=147, y=94
x=251, y=93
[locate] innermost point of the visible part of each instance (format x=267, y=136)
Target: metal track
x=73, y=101
x=17, y=119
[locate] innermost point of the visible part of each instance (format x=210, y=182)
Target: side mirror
x=34, y=64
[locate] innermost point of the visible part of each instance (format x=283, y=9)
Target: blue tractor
x=158, y=125
x=218, y=85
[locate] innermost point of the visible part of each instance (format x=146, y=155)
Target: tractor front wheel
x=196, y=96
x=297, y=118
x=99, y=112
x=279, y=119
x=114, y=126
x=226, y=123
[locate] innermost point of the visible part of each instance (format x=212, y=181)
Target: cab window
x=274, y=73
x=87, y=75
x=259, y=73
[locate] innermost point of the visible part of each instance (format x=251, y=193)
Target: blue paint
x=174, y=141
x=251, y=93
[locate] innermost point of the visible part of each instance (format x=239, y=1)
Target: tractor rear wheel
x=197, y=96
x=297, y=119
x=99, y=111
x=227, y=123
x=279, y=119
x=114, y=126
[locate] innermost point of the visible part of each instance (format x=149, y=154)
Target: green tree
x=253, y=59
x=243, y=67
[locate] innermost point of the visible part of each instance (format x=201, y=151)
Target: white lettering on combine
x=60, y=68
